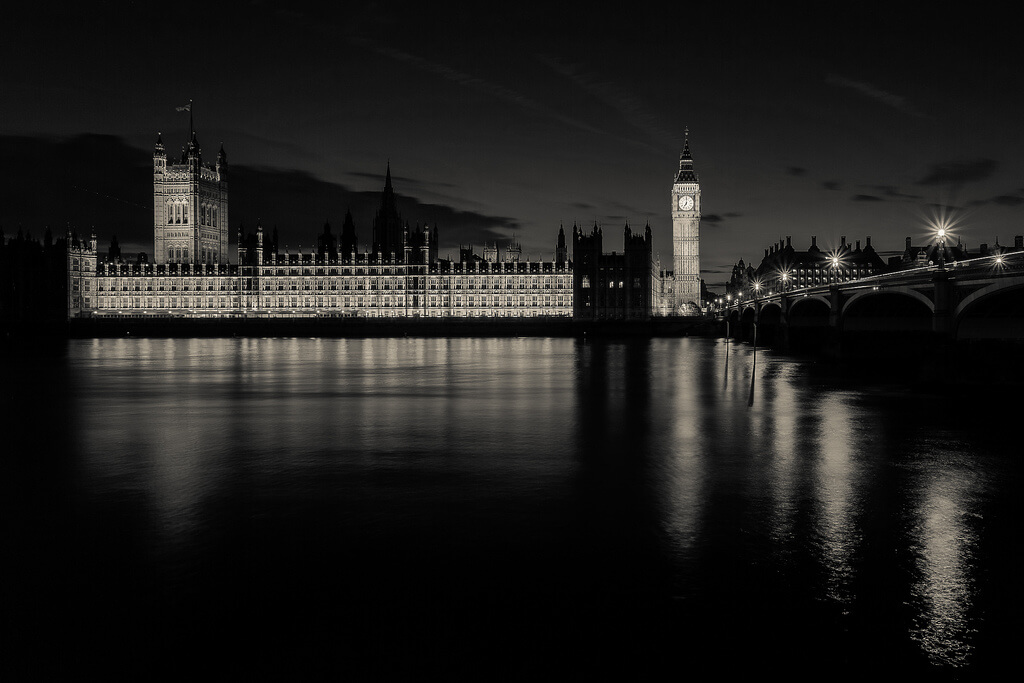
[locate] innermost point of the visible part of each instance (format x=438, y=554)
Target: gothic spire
x=686, y=173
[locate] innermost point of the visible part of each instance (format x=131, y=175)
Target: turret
x=561, y=254
x=348, y=237
x=514, y=251
x=491, y=252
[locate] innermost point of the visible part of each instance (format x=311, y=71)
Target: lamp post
x=942, y=248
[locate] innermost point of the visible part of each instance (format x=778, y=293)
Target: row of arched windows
x=180, y=255
x=177, y=214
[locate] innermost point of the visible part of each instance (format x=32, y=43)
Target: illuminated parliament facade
x=190, y=275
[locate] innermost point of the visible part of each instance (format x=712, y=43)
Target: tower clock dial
x=685, y=202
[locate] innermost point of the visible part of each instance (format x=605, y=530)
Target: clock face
x=686, y=202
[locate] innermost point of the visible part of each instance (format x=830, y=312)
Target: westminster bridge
x=973, y=307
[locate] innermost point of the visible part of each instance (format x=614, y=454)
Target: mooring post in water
x=727, y=352
x=753, y=369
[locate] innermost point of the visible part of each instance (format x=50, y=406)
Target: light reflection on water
x=838, y=480
x=944, y=548
x=555, y=469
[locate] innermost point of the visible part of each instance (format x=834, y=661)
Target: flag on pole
x=187, y=107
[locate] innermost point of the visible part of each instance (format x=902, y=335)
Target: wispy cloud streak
x=868, y=90
x=487, y=87
x=633, y=110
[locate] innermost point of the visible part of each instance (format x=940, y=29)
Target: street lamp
x=941, y=233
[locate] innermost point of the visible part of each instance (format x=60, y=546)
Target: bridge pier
x=942, y=317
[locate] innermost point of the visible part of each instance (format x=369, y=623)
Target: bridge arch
x=746, y=327
x=994, y=312
x=803, y=302
x=885, y=325
x=807, y=321
x=993, y=288
x=770, y=324
x=771, y=310
x=734, y=321
x=899, y=291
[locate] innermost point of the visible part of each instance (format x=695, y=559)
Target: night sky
x=500, y=121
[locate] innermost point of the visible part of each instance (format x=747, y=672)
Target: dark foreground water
x=498, y=508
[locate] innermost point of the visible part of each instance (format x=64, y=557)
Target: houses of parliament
x=191, y=274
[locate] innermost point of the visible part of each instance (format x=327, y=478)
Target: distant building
x=928, y=254
x=401, y=274
x=784, y=267
x=612, y=286
x=741, y=280
x=997, y=249
x=931, y=254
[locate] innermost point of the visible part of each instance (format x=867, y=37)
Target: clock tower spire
x=686, y=234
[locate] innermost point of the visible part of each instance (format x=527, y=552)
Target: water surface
x=499, y=507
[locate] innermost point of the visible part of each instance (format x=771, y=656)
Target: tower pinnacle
x=686, y=174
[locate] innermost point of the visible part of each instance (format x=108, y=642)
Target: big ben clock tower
x=686, y=233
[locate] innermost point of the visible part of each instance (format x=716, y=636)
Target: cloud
x=796, y=171
x=632, y=109
x=894, y=192
x=1000, y=200
x=116, y=198
x=381, y=177
x=1007, y=200
x=865, y=198
x=870, y=91
x=491, y=88
x=832, y=185
x=959, y=171
x=943, y=209
x=299, y=203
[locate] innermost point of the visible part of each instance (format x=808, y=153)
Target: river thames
x=494, y=508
